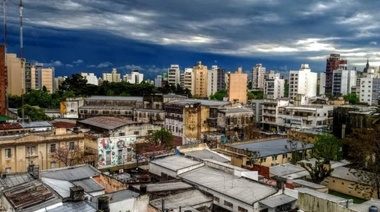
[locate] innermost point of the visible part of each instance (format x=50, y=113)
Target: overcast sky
x=97, y=35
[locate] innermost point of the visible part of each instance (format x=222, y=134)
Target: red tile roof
x=10, y=126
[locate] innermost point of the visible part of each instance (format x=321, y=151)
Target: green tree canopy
x=33, y=113
x=39, y=98
x=219, y=95
x=351, y=98
x=327, y=147
x=161, y=137
x=75, y=83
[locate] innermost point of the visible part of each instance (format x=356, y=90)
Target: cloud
x=77, y=62
x=133, y=67
x=69, y=65
x=374, y=43
x=104, y=65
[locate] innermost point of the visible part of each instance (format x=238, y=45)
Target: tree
x=75, y=83
x=364, y=154
x=161, y=137
x=219, y=95
x=318, y=172
x=69, y=157
x=375, y=116
x=327, y=147
x=34, y=113
x=351, y=98
x=38, y=98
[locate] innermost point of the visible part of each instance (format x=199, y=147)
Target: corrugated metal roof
x=81, y=206
x=11, y=180
x=278, y=200
x=72, y=173
x=89, y=185
x=187, y=198
x=175, y=162
x=158, y=187
x=106, y=122
x=116, y=98
x=62, y=187
x=35, y=124
x=207, y=154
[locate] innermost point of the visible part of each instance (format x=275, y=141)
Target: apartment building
x=274, y=87
x=174, y=75
x=322, y=84
x=3, y=82
x=42, y=77
x=212, y=80
x=135, y=77
x=221, y=79
x=200, y=80
x=258, y=74
x=369, y=89
x=332, y=63
x=188, y=78
x=237, y=86
x=343, y=81
x=91, y=78
x=15, y=74
x=270, y=111
x=112, y=77
x=302, y=82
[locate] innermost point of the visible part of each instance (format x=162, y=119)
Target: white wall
x=212, y=80
x=157, y=170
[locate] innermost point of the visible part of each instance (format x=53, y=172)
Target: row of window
x=230, y=205
x=31, y=150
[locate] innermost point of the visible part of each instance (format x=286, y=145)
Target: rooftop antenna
x=5, y=10
x=21, y=7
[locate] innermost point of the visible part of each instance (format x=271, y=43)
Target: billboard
x=115, y=151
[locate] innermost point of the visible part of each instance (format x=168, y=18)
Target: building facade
x=343, y=81
x=134, y=78
x=3, y=82
x=112, y=77
x=332, y=63
x=322, y=84
x=221, y=81
x=237, y=86
x=42, y=77
x=91, y=78
x=258, y=74
x=212, y=80
x=187, y=82
x=302, y=82
x=369, y=89
x=174, y=75
x=274, y=88
x=15, y=74
x=200, y=80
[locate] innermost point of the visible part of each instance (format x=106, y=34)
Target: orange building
x=200, y=80
x=237, y=86
x=3, y=82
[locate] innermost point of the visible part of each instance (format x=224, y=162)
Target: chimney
x=76, y=193
x=104, y=204
x=143, y=189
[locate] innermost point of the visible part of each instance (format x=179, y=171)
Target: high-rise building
x=272, y=75
x=3, y=82
x=212, y=80
x=174, y=75
x=134, y=78
x=91, y=78
x=221, y=81
x=158, y=81
x=237, y=86
x=188, y=76
x=42, y=77
x=274, y=86
x=370, y=88
x=15, y=74
x=302, y=82
x=258, y=73
x=343, y=81
x=200, y=80
x=322, y=84
x=332, y=63
x=112, y=77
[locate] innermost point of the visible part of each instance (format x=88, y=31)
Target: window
x=216, y=199
x=121, y=134
x=8, y=170
x=274, y=157
x=240, y=209
x=8, y=153
x=71, y=145
x=52, y=147
x=31, y=150
x=136, y=132
x=263, y=160
x=228, y=204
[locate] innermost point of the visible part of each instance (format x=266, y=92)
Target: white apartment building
x=343, y=81
x=274, y=88
x=322, y=83
x=91, y=78
x=188, y=77
x=258, y=73
x=369, y=89
x=135, y=77
x=174, y=75
x=158, y=81
x=269, y=120
x=272, y=74
x=303, y=82
x=112, y=77
x=212, y=80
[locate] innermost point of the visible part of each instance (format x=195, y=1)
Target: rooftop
x=345, y=173
x=175, y=162
x=109, y=107
x=10, y=126
x=35, y=124
x=278, y=200
x=158, y=187
x=201, y=101
x=321, y=195
x=207, y=154
x=287, y=169
x=72, y=173
x=236, y=110
x=15, y=179
x=188, y=198
x=365, y=205
x=272, y=147
x=116, y=98
x=240, y=189
x=63, y=124
x=172, y=95
x=308, y=184
x=81, y=206
x=116, y=196
x=106, y=122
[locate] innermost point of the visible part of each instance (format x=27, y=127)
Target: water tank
x=104, y=204
x=289, y=180
x=373, y=208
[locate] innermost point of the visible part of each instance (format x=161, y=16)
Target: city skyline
x=82, y=36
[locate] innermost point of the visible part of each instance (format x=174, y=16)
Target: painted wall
x=114, y=151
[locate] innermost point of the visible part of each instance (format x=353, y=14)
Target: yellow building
x=41, y=77
x=19, y=151
x=237, y=86
x=16, y=74
x=112, y=77
x=200, y=74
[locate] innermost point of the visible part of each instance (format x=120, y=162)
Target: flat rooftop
x=159, y=187
x=106, y=122
x=188, y=198
x=116, y=98
x=175, y=162
x=207, y=154
x=272, y=147
x=73, y=173
x=201, y=101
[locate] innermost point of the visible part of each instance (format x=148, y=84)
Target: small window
x=52, y=147
x=228, y=204
x=52, y=165
x=71, y=145
x=8, y=170
x=136, y=132
x=240, y=209
x=122, y=134
x=274, y=157
x=216, y=199
x=8, y=153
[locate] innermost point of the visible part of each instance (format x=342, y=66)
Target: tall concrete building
x=41, y=77
x=302, y=82
x=237, y=86
x=332, y=63
x=158, y=81
x=174, y=74
x=343, y=81
x=15, y=74
x=91, y=78
x=200, y=80
x=221, y=81
x=3, y=82
x=187, y=83
x=112, y=77
x=58, y=81
x=135, y=77
x=322, y=84
x=272, y=75
x=274, y=87
x=212, y=80
x=258, y=73
x=370, y=89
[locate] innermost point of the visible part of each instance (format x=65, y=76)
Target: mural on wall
x=115, y=151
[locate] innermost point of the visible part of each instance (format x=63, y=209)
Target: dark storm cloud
x=295, y=30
